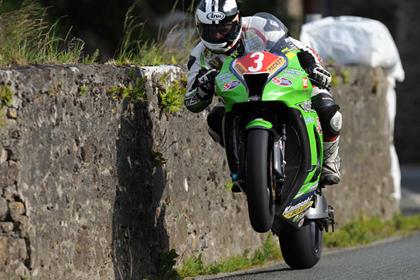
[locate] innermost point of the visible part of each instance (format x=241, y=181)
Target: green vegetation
x=158, y=158
x=6, y=96
x=27, y=37
x=6, y=99
x=360, y=231
x=229, y=185
x=83, y=90
x=364, y=230
x=342, y=76
x=133, y=92
x=171, y=95
x=167, y=261
x=135, y=51
x=269, y=252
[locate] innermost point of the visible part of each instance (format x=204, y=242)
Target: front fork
x=280, y=156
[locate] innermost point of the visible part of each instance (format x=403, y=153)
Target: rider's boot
x=330, y=174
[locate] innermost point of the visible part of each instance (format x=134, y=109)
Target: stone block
x=3, y=208
x=7, y=227
x=17, y=209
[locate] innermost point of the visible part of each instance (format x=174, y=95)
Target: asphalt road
x=395, y=260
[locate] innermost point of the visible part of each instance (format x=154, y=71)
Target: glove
x=317, y=74
x=205, y=81
x=320, y=77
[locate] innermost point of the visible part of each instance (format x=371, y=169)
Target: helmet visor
x=219, y=33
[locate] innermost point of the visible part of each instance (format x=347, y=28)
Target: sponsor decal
x=298, y=208
x=282, y=82
x=240, y=68
x=279, y=62
x=224, y=78
x=298, y=218
x=216, y=16
x=318, y=125
x=293, y=72
x=309, y=119
x=305, y=82
x=231, y=85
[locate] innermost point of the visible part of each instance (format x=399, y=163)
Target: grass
x=270, y=251
x=358, y=232
x=365, y=230
x=6, y=96
x=28, y=38
x=171, y=93
x=6, y=99
x=134, y=50
x=133, y=92
x=342, y=76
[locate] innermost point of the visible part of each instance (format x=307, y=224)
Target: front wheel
x=302, y=248
x=258, y=180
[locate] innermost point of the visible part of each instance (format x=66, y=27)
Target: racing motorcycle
x=273, y=142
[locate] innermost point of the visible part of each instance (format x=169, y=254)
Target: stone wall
x=401, y=18
x=95, y=187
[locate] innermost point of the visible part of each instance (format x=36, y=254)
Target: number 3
x=258, y=61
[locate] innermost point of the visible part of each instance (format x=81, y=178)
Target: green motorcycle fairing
x=291, y=86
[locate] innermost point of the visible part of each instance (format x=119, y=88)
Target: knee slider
x=336, y=122
x=329, y=116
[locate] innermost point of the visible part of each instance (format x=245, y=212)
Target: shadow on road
x=249, y=274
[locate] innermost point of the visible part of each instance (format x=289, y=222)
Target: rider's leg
x=331, y=122
x=215, y=123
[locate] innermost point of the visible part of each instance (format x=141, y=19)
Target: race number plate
x=259, y=62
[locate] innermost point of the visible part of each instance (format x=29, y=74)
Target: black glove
x=320, y=77
x=317, y=74
x=205, y=81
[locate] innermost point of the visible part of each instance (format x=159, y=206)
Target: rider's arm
x=200, y=84
x=313, y=65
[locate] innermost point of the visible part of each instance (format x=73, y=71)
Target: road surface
x=394, y=260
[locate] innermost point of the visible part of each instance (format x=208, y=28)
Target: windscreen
x=263, y=33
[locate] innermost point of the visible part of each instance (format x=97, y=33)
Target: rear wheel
x=258, y=180
x=302, y=248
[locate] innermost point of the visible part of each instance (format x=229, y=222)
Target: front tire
x=302, y=248
x=258, y=181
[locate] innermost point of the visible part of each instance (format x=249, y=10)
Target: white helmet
x=219, y=24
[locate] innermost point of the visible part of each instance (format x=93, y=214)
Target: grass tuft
x=134, y=50
x=133, y=92
x=6, y=96
x=27, y=37
x=365, y=230
x=171, y=97
x=270, y=251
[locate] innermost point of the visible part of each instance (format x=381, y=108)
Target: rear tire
x=258, y=183
x=302, y=248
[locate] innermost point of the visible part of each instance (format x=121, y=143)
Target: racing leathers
x=203, y=67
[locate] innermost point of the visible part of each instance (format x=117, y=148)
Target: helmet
x=219, y=24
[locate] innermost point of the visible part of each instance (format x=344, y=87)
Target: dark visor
x=219, y=33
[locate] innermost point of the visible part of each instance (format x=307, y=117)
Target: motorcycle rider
x=223, y=32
